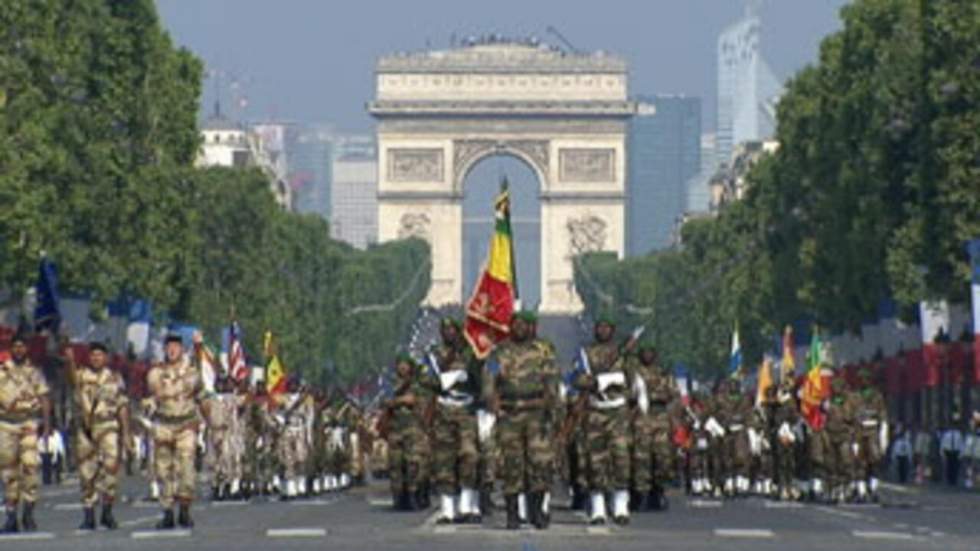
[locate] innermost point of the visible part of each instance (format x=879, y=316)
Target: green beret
x=448, y=321
x=527, y=316
x=405, y=357
x=606, y=318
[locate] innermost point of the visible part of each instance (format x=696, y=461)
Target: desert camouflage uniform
x=22, y=391
x=99, y=399
x=653, y=453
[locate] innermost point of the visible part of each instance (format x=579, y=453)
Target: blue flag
x=47, y=315
x=735, y=360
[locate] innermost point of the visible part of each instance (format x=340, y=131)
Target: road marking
x=58, y=492
x=846, y=514
x=597, y=530
x=938, y=534
x=228, y=503
x=744, y=533
x=160, y=534
x=146, y=505
x=704, y=503
x=68, y=507
x=27, y=536
x=899, y=488
x=444, y=529
x=138, y=520
x=783, y=505
x=923, y=529
x=381, y=502
x=314, y=502
x=296, y=532
x=901, y=525
x=881, y=535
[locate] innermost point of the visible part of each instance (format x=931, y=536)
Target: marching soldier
x=257, y=466
x=401, y=426
x=24, y=398
x=102, y=423
x=178, y=395
x=733, y=412
x=455, y=432
x=522, y=391
x=872, y=433
x=293, y=446
x=653, y=451
x=604, y=378
x=225, y=445
x=831, y=449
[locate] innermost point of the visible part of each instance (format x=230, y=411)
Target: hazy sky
x=312, y=60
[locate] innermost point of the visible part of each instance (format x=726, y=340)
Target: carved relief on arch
x=586, y=234
x=415, y=224
x=468, y=152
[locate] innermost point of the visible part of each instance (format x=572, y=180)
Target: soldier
x=225, y=442
x=102, y=419
x=733, y=412
x=179, y=397
x=832, y=455
x=653, y=452
x=455, y=432
x=522, y=392
x=293, y=446
x=24, y=397
x=402, y=428
x=605, y=377
x=701, y=454
x=872, y=432
x=783, y=438
x=257, y=466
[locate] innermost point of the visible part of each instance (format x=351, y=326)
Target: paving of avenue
x=908, y=518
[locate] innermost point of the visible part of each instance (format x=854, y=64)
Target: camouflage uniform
x=872, y=433
x=177, y=391
x=607, y=427
x=257, y=466
x=293, y=443
x=99, y=399
x=702, y=453
x=784, y=440
x=523, y=385
x=455, y=457
x=831, y=451
x=653, y=452
x=734, y=412
x=406, y=443
x=23, y=391
x=225, y=441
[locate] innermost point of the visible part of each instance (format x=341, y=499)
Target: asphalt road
x=362, y=519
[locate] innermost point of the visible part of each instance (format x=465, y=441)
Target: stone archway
x=439, y=113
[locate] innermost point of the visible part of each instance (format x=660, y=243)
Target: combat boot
x=579, y=499
x=486, y=503
x=410, y=502
x=535, y=504
x=215, y=493
x=27, y=520
x=88, y=520
x=513, y=522
x=10, y=527
x=184, y=517
x=167, y=522
x=108, y=520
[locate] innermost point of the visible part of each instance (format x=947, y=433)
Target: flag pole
x=504, y=188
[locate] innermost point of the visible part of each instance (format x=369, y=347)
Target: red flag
x=236, y=354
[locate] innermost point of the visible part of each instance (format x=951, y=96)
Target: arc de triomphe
x=565, y=115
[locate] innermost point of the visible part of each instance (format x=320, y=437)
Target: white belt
x=608, y=404
x=869, y=423
x=455, y=402
x=735, y=428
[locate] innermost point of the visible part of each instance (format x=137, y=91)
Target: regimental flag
x=816, y=386
x=735, y=359
x=491, y=306
x=788, y=368
x=275, y=373
x=237, y=368
x=764, y=380
x=209, y=365
x=47, y=314
x=682, y=376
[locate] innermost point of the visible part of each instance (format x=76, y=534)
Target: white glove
x=640, y=391
x=883, y=436
x=606, y=380
x=855, y=449
x=714, y=428
x=786, y=433
x=697, y=424
x=450, y=379
x=484, y=423
x=755, y=442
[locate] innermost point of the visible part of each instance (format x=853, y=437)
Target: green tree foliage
x=98, y=134
x=872, y=194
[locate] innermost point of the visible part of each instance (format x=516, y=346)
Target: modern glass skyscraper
x=664, y=154
x=747, y=89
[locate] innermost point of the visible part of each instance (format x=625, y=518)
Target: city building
x=229, y=144
x=664, y=156
x=729, y=183
x=747, y=89
x=311, y=155
x=698, y=190
x=354, y=189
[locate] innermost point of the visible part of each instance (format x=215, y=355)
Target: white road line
x=881, y=535
x=314, y=502
x=783, y=505
x=744, y=533
x=832, y=511
x=59, y=492
x=68, y=507
x=899, y=488
x=296, y=532
x=160, y=534
x=381, y=503
x=27, y=536
x=597, y=530
x=704, y=503
x=228, y=503
x=937, y=534
x=138, y=520
x=901, y=525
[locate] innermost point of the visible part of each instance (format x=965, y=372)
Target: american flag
x=236, y=354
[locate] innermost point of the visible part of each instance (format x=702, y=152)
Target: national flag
x=682, y=376
x=735, y=359
x=275, y=372
x=934, y=321
x=47, y=314
x=788, y=367
x=973, y=248
x=816, y=386
x=491, y=306
x=764, y=380
x=237, y=368
x=209, y=365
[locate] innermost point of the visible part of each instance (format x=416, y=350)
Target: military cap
x=448, y=321
x=173, y=337
x=605, y=317
x=98, y=345
x=404, y=357
x=526, y=316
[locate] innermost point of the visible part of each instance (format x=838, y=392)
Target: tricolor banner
x=490, y=308
x=974, y=250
